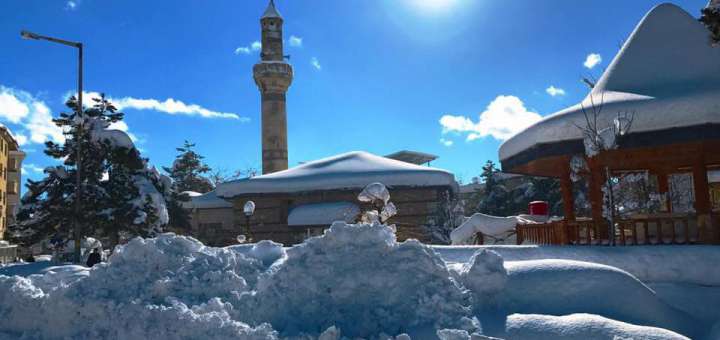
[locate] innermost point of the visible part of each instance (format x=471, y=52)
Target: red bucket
x=540, y=208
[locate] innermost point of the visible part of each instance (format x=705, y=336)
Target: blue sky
x=379, y=76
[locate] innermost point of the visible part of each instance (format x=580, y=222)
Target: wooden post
x=664, y=189
x=597, y=179
x=566, y=187
x=702, y=202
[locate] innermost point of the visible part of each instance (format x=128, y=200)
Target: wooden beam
x=664, y=189
x=596, y=180
x=702, y=188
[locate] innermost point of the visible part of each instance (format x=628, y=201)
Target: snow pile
x=359, y=279
x=166, y=287
x=580, y=327
x=484, y=275
x=487, y=225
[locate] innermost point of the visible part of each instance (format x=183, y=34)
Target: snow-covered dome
x=352, y=170
x=667, y=74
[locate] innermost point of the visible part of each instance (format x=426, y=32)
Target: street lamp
x=248, y=210
x=78, y=190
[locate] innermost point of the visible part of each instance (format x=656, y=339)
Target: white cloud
x=171, y=106
x=504, y=117
x=295, y=41
x=315, y=63
x=71, y=5
x=555, y=91
x=20, y=138
x=253, y=47
x=30, y=167
x=242, y=50
x=592, y=60
x=31, y=114
x=13, y=105
x=446, y=142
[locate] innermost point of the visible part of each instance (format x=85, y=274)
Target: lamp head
x=28, y=35
x=249, y=208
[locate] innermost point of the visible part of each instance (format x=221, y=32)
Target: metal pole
x=78, y=158
x=247, y=228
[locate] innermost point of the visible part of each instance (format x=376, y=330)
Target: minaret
x=273, y=77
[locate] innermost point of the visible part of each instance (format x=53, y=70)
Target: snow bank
x=561, y=287
x=676, y=263
x=580, y=327
x=359, y=279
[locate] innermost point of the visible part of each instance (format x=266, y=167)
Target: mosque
x=296, y=203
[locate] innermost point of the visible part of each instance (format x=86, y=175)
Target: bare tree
x=223, y=175
x=598, y=139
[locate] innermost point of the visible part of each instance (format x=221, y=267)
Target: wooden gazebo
x=667, y=76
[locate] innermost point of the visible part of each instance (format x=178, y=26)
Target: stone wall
x=416, y=207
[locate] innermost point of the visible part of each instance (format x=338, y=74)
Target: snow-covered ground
x=357, y=281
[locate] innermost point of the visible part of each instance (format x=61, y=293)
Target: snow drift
x=560, y=287
x=353, y=281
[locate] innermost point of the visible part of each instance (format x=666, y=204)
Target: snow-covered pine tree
x=711, y=18
x=114, y=182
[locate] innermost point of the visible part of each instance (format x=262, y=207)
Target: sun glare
x=433, y=6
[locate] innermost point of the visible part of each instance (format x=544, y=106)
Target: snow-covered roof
x=208, y=200
x=352, y=170
x=323, y=213
x=667, y=74
x=271, y=11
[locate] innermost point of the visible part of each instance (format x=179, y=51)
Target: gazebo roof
x=667, y=74
x=352, y=170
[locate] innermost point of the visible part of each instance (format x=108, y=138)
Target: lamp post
x=248, y=210
x=78, y=190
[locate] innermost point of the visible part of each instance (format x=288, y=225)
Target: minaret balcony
x=273, y=76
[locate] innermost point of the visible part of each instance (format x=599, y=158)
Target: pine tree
x=494, y=196
x=188, y=171
x=114, y=183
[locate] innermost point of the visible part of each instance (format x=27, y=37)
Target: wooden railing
x=637, y=230
x=544, y=233
x=8, y=254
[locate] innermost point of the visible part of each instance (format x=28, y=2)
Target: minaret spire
x=271, y=11
x=273, y=77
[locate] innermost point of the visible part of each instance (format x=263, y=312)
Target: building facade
x=10, y=178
